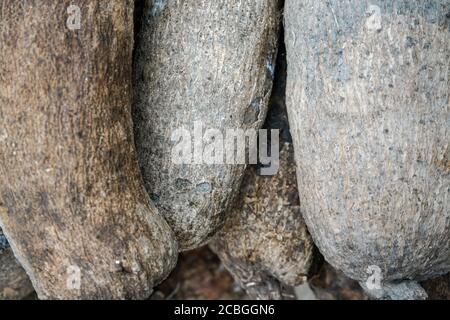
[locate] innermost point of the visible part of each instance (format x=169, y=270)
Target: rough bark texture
x=71, y=195
x=438, y=288
x=368, y=102
x=208, y=61
x=14, y=282
x=264, y=240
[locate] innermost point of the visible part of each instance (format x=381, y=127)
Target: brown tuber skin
x=331, y=284
x=265, y=243
x=208, y=61
x=438, y=288
x=71, y=195
x=367, y=95
x=14, y=282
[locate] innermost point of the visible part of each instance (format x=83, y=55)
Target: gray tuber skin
x=368, y=102
x=72, y=201
x=199, y=60
x=264, y=242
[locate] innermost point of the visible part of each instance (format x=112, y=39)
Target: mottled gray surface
x=198, y=60
x=402, y=290
x=368, y=102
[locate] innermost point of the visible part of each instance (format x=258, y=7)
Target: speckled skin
x=264, y=242
x=368, y=102
x=71, y=194
x=199, y=60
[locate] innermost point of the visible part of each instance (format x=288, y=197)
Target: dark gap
x=138, y=18
x=277, y=112
x=3, y=242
